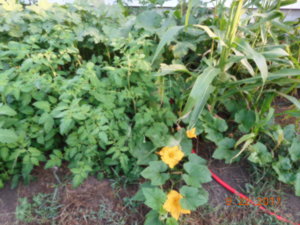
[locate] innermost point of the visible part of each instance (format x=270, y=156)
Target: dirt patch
x=282, y=105
x=92, y=197
x=93, y=203
x=8, y=203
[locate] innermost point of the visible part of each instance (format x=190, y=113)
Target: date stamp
x=259, y=201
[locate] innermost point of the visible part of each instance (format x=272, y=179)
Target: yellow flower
x=171, y=155
x=191, y=133
x=172, y=205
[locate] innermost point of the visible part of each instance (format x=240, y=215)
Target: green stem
x=234, y=18
x=188, y=13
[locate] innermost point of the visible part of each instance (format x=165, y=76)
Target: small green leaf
x=193, y=197
x=65, y=125
x=7, y=111
x=43, y=105
x=77, y=180
x=4, y=153
x=8, y=136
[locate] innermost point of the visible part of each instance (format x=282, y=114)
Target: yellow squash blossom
x=171, y=155
x=172, y=205
x=191, y=133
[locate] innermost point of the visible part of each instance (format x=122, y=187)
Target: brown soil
x=8, y=203
x=79, y=206
x=80, y=202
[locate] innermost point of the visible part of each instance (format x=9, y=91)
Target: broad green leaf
x=199, y=95
x=155, y=198
x=144, y=153
x=195, y=159
x=149, y=20
x=171, y=221
x=8, y=136
x=154, y=173
x=7, y=111
x=246, y=120
x=186, y=145
x=193, y=197
x=260, y=154
x=181, y=49
x=225, y=150
x=213, y=134
x=152, y=218
x=294, y=150
x=139, y=196
x=167, y=37
x=196, y=174
x=289, y=132
x=283, y=169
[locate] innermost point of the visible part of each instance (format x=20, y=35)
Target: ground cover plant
x=113, y=91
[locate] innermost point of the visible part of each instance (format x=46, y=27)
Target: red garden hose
x=232, y=190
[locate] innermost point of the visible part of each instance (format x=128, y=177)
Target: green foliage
x=154, y=198
x=101, y=89
x=42, y=209
x=76, y=87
